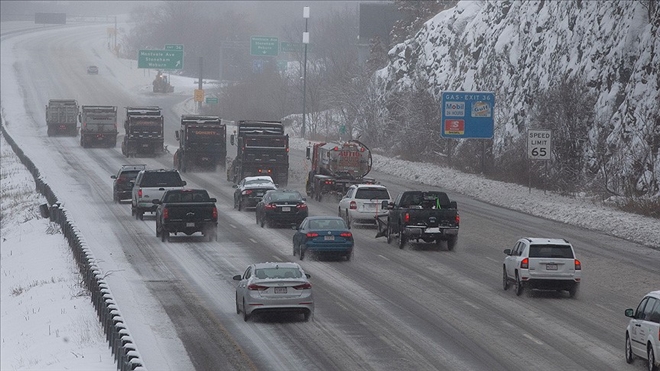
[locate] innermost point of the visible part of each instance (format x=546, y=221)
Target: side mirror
x=113, y=176
x=629, y=313
x=155, y=202
x=237, y=277
x=507, y=251
x=213, y=200
x=308, y=152
x=385, y=205
x=453, y=205
x=304, y=198
x=235, y=186
x=184, y=182
x=176, y=134
x=231, y=139
x=308, y=275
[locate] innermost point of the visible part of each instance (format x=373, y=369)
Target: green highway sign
x=161, y=59
x=211, y=100
x=174, y=47
x=264, y=46
x=287, y=47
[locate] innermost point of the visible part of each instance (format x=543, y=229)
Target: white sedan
x=274, y=287
x=362, y=203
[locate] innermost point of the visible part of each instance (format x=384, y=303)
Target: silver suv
x=542, y=263
x=643, y=331
x=150, y=185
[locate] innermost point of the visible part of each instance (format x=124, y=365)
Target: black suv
x=281, y=206
x=150, y=185
x=123, y=181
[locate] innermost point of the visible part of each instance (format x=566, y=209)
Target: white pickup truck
x=150, y=185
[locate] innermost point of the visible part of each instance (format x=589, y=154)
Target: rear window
x=278, y=273
x=372, y=193
x=550, y=251
x=164, y=179
x=128, y=175
x=187, y=196
x=286, y=196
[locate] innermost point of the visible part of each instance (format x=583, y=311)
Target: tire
x=256, y=216
x=348, y=220
x=302, y=252
x=264, y=222
x=240, y=206
x=451, y=243
x=650, y=357
x=164, y=235
x=246, y=316
x=140, y=215
x=389, y=233
x=505, y=280
x=518, y=285
x=238, y=310
x=157, y=232
x=572, y=292
x=306, y=316
x=348, y=256
x=630, y=357
x=137, y=216
x=402, y=240
x=132, y=210
x=295, y=250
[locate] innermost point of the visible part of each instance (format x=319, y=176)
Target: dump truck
x=98, y=126
x=143, y=131
x=337, y=166
x=161, y=84
x=262, y=148
x=62, y=117
x=202, y=143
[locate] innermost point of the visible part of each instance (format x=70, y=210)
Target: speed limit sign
x=539, y=143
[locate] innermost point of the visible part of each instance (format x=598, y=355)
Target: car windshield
x=372, y=193
x=327, y=224
x=265, y=273
x=550, y=251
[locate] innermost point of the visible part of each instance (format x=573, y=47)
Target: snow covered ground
x=48, y=323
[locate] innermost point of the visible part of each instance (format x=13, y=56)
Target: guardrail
x=120, y=342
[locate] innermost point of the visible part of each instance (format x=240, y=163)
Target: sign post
x=539, y=145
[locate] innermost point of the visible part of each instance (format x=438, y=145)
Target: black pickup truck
x=427, y=216
x=186, y=211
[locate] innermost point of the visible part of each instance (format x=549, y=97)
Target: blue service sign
x=467, y=115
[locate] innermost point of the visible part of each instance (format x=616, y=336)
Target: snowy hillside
x=520, y=49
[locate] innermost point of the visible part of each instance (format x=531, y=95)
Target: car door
x=510, y=261
x=344, y=202
x=136, y=186
x=298, y=236
x=638, y=328
x=242, y=285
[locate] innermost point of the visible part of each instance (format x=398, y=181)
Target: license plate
x=145, y=146
x=260, y=193
x=370, y=206
x=329, y=238
x=551, y=267
x=280, y=290
x=286, y=209
x=190, y=224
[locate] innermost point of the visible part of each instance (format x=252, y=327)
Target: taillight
x=301, y=206
x=257, y=287
x=304, y=286
x=406, y=218
x=140, y=192
x=328, y=182
x=524, y=264
x=270, y=207
x=346, y=234
x=246, y=192
x=457, y=219
x=214, y=213
x=578, y=265
x=166, y=213
x=353, y=205
x=312, y=234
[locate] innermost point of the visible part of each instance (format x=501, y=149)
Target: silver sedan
x=274, y=287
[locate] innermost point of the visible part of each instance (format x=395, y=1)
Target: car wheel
x=238, y=310
x=348, y=256
x=451, y=243
x=402, y=240
x=306, y=316
x=630, y=357
x=246, y=316
x=302, y=252
x=256, y=217
x=132, y=210
x=157, y=231
x=263, y=222
x=650, y=357
x=140, y=215
x=164, y=235
x=519, y=285
x=572, y=292
x=348, y=220
x=295, y=251
x=389, y=233
x=240, y=206
x=505, y=280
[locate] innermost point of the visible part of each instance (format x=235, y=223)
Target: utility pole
x=305, y=41
x=199, y=83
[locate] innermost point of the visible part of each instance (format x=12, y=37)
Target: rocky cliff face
x=522, y=49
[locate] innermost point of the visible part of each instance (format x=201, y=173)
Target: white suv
x=643, y=331
x=362, y=203
x=542, y=263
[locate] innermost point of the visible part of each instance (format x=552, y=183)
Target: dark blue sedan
x=323, y=235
